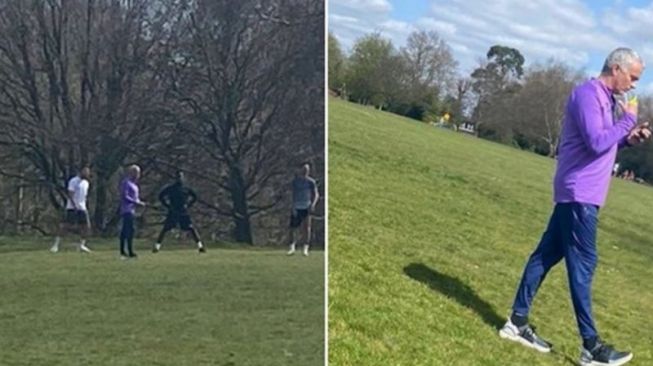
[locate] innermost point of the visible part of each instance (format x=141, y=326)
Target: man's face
x=85, y=173
x=626, y=78
x=306, y=169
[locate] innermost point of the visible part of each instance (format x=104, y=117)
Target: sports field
x=429, y=231
x=228, y=307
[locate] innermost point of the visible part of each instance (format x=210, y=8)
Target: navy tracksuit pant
x=127, y=235
x=571, y=234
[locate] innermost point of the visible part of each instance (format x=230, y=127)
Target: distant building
x=467, y=127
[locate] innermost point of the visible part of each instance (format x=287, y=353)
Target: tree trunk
x=552, y=149
x=100, y=202
x=106, y=163
x=243, y=230
x=36, y=212
x=19, y=206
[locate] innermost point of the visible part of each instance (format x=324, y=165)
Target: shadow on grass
x=565, y=357
x=456, y=289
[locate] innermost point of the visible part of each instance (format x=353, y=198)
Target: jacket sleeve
x=598, y=138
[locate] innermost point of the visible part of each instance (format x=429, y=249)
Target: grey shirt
x=302, y=192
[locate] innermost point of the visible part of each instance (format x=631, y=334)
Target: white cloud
x=343, y=18
x=566, y=30
x=540, y=30
x=397, y=26
x=349, y=20
x=631, y=24
x=443, y=28
x=365, y=6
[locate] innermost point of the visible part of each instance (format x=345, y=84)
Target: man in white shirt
x=76, y=218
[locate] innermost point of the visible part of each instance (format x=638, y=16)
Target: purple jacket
x=589, y=141
x=128, y=196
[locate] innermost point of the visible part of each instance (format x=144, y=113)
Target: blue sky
x=579, y=33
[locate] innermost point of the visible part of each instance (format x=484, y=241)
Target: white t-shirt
x=79, y=187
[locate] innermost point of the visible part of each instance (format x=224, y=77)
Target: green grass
x=429, y=231
x=229, y=307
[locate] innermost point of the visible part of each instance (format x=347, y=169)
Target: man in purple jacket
x=128, y=201
x=595, y=126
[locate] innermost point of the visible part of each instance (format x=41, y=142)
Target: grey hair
x=622, y=57
x=133, y=169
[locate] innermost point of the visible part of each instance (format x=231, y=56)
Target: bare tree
x=78, y=85
x=460, y=100
x=243, y=71
x=540, y=104
x=430, y=63
x=231, y=92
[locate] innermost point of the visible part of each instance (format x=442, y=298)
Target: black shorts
x=298, y=217
x=76, y=217
x=178, y=219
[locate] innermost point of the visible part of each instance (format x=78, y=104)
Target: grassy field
x=230, y=307
x=429, y=231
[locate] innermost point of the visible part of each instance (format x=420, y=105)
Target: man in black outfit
x=177, y=199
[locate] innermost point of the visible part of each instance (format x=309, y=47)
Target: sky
x=579, y=33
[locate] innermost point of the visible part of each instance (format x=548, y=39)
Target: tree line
x=229, y=92
x=504, y=100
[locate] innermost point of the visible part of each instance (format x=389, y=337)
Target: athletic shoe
x=54, y=249
x=202, y=249
x=603, y=355
x=292, y=249
x=525, y=335
x=84, y=248
x=133, y=256
x=156, y=248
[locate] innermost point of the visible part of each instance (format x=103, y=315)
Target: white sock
x=199, y=244
x=306, y=248
x=82, y=242
x=292, y=247
x=57, y=240
x=157, y=246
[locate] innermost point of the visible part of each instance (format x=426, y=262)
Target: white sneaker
x=292, y=249
x=54, y=249
x=84, y=248
x=525, y=335
x=305, y=250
